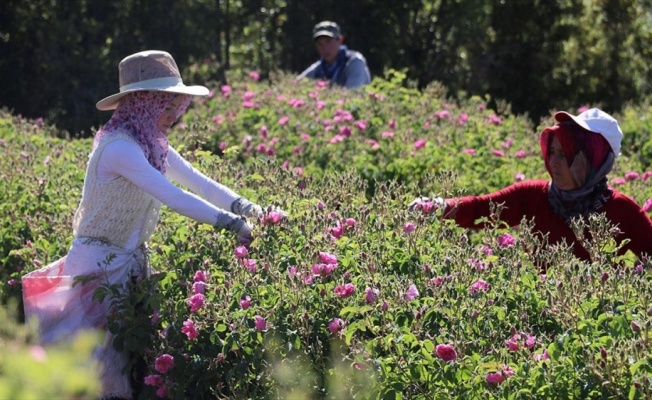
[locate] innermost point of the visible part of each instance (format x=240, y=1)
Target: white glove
x=243, y=229
x=237, y=225
x=247, y=209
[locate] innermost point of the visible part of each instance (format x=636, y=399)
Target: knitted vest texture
x=111, y=211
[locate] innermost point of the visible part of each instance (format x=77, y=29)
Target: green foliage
x=29, y=371
x=581, y=330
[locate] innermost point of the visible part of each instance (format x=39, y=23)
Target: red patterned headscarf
x=137, y=114
x=585, y=151
x=590, y=158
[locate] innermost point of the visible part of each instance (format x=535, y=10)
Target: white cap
x=597, y=121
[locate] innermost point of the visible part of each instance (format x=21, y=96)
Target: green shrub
x=276, y=323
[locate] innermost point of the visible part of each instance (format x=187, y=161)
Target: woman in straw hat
x=578, y=152
x=126, y=182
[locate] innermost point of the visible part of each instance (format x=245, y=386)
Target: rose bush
x=353, y=295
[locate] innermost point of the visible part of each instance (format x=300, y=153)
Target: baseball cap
x=598, y=121
x=326, y=28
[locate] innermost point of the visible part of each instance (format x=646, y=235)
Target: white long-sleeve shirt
x=207, y=202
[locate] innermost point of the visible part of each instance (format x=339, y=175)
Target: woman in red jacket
x=579, y=151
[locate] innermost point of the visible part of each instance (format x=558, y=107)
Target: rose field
x=351, y=296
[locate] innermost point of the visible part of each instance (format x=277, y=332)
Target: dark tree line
x=58, y=57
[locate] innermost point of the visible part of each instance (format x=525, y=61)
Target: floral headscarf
x=137, y=114
x=590, y=158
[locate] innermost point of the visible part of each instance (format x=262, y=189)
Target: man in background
x=337, y=64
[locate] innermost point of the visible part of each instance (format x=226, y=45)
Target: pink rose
x=446, y=352
x=336, y=325
x=542, y=356
x=163, y=363
x=254, y=75
x=513, y=342
x=241, y=252
x=327, y=257
x=323, y=269
x=272, y=218
x=189, y=329
x=409, y=227
x=153, y=380
x=648, y=205
x=345, y=290
x=260, y=323
x=371, y=295
x=249, y=264
x=506, y=240
x=196, y=302
x=337, y=230
x=245, y=303
x=201, y=276
x=161, y=392
x=494, y=378
x=631, y=175
x=199, y=288
x=411, y=294
x=493, y=119
x=361, y=125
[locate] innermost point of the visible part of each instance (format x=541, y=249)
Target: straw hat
x=153, y=70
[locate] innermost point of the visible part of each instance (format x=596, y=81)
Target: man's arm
x=356, y=74
x=310, y=71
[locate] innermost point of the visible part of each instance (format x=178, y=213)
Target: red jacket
x=530, y=199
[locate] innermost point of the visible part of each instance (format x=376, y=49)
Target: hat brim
x=563, y=116
x=111, y=102
x=323, y=33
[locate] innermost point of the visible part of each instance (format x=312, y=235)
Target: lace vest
x=113, y=210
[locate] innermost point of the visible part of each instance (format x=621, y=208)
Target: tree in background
x=59, y=57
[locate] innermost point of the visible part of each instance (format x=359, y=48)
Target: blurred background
x=59, y=57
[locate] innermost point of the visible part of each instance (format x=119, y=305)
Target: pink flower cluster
x=249, y=264
x=343, y=291
x=520, y=340
x=340, y=228
x=498, y=377
x=327, y=266
x=158, y=382
x=478, y=286
x=506, y=240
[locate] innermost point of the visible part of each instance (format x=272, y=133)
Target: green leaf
x=633, y=369
x=350, y=311
x=554, y=351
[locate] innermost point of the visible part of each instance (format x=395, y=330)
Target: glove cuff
x=236, y=225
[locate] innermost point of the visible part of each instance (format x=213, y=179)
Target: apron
x=63, y=307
